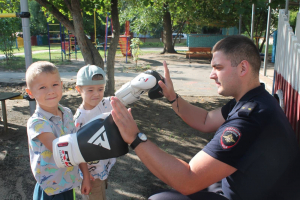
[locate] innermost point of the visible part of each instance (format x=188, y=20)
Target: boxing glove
x=97, y=140
x=144, y=82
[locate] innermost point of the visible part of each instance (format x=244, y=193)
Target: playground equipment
x=20, y=42
x=67, y=41
x=124, y=40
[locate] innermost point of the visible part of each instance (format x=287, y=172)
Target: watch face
x=142, y=136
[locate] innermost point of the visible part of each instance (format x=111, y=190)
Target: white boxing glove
x=131, y=91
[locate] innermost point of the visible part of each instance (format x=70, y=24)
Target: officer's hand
x=167, y=87
x=124, y=120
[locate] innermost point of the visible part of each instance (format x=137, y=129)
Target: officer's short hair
x=238, y=48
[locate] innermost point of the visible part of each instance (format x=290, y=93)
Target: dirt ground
x=129, y=178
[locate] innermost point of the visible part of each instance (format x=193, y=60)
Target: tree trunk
x=89, y=52
x=178, y=33
x=167, y=36
x=263, y=43
x=110, y=83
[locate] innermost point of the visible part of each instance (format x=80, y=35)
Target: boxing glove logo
x=100, y=139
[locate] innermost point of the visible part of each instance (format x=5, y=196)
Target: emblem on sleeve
x=230, y=137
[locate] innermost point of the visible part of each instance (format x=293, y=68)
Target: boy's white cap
x=86, y=73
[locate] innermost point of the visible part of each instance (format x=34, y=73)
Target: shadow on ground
x=129, y=178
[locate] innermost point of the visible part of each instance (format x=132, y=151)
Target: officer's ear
x=244, y=68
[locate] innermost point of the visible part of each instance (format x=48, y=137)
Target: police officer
x=254, y=151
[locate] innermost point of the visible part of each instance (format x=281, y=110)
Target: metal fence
x=286, y=70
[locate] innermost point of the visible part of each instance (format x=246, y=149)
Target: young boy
x=49, y=121
x=90, y=84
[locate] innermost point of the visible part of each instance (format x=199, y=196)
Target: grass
x=58, y=47
x=18, y=62
x=152, y=44
x=160, y=44
x=269, y=49
x=35, y=48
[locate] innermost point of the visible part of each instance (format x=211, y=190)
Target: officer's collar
x=254, y=92
x=246, y=98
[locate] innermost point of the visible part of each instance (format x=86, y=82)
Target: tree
x=174, y=14
x=9, y=28
x=69, y=13
x=110, y=85
x=135, y=49
x=38, y=21
x=190, y=15
x=148, y=16
x=260, y=20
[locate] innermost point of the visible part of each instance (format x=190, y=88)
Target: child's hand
x=86, y=186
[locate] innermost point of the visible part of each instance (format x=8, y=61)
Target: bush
x=7, y=36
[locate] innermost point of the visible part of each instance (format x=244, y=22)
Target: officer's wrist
x=173, y=99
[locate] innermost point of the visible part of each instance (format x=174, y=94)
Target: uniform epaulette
x=247, y=109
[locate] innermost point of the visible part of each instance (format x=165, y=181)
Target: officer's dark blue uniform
x=258, y=141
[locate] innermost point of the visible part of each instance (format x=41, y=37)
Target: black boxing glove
x=156, y=91
x=97, y=140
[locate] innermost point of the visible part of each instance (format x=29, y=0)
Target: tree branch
x=68, y=5
x=247, y=30
x=58, y=15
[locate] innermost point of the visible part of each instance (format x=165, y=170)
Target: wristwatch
x=141, y=137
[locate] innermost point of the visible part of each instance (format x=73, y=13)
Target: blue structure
x=274, y=46
x=39, y=40
x=209, y=40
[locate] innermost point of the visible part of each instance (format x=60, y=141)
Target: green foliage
x=293, y=19
x=97, y=8
x=135, y=48
x=144, y=18
x=7, y=36
x=10, y=6
x=260, y=20
x=9, y=27
x=38, y=21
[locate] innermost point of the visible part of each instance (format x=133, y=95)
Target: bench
x=198, y=52
x=4, y=96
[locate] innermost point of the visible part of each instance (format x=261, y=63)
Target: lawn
x=269, y=49
x=17, y=62
x=34, y=48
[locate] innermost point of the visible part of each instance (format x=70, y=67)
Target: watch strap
x=136, y=142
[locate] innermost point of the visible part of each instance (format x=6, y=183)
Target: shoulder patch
x=230, y=137
x=247, y=109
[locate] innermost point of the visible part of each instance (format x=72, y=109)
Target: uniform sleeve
x=38, y=126
x=232, y=141
x=227, y=108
